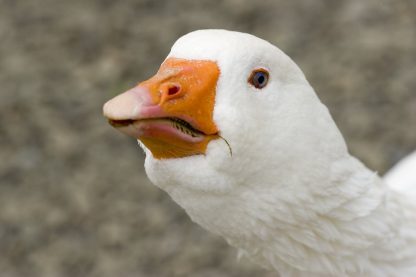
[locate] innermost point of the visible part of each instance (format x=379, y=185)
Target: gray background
x=74, y=199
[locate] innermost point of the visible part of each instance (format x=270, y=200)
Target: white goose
x=235, y=134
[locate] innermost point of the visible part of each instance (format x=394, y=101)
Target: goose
x=235, y=134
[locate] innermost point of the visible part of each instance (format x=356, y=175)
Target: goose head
x=225, y=109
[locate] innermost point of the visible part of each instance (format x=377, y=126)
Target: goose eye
x=259, y=78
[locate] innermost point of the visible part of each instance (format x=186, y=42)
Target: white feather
x=402, y=177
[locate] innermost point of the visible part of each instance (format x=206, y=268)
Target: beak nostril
x=170, y=91
x=174, y=89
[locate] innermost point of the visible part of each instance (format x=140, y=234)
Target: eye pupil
x=259, y=78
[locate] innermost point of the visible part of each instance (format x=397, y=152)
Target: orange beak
x=172, y=112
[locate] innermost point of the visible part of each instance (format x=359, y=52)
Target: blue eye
x=259, y=78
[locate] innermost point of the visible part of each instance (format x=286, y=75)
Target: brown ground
x=74, y=200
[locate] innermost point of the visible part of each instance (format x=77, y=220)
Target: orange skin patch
x=195, y=101
x=165, y=147
x=172, y=112
x=193, y=84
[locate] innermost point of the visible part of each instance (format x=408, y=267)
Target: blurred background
x=74, y=198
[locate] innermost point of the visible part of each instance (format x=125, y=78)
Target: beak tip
x=109, y=111
x=120, y=107
x=105, y=109
x=128, y=105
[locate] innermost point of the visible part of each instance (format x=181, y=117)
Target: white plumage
x=290, y=197
x=402, y=177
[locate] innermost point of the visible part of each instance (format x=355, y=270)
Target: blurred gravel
x=74, y=199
